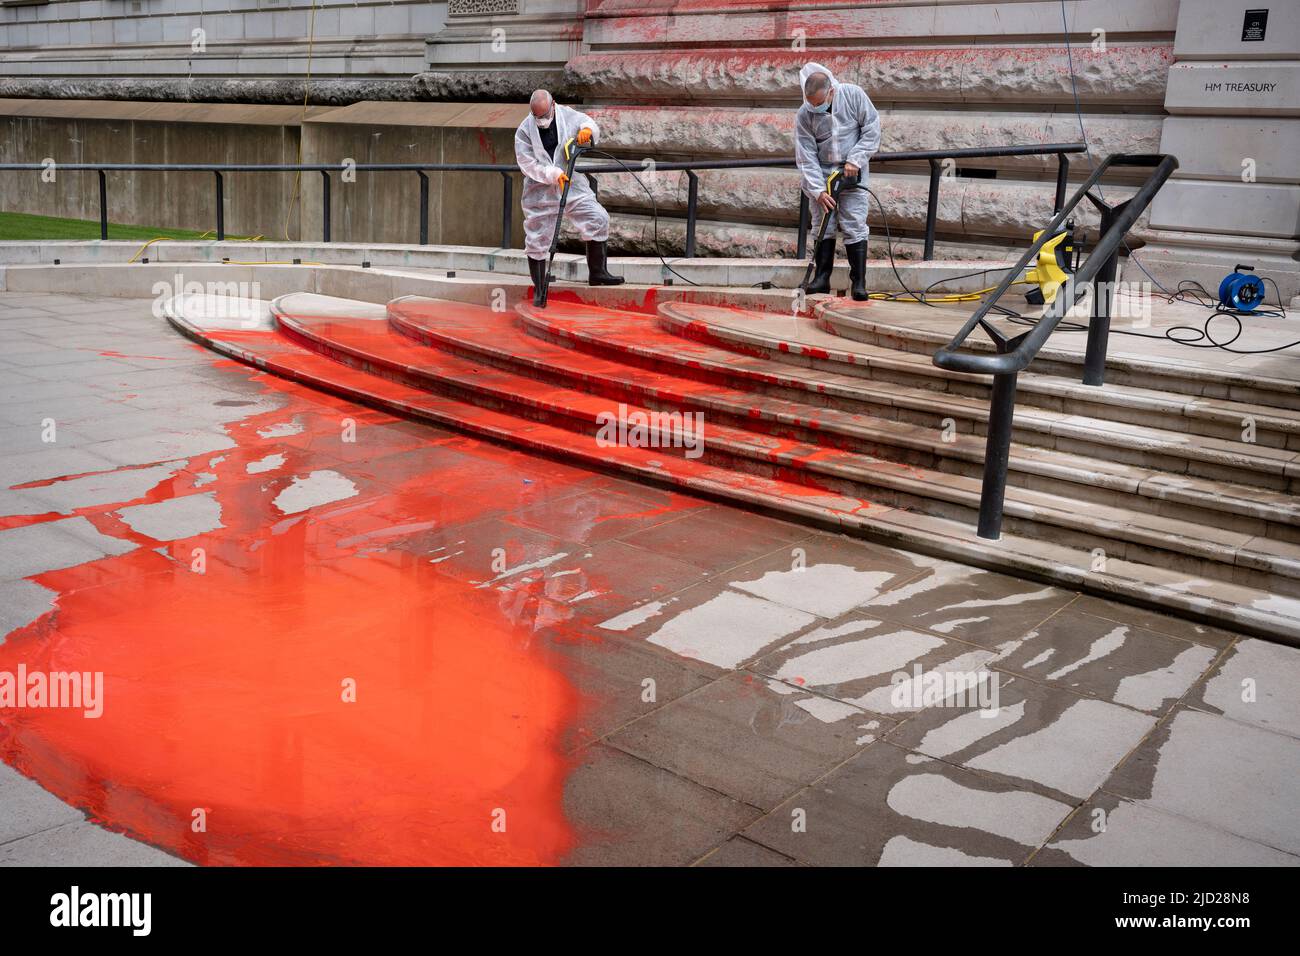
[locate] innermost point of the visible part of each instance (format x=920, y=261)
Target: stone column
x=1234, y=103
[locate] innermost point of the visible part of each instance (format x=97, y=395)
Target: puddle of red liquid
x=224, y=692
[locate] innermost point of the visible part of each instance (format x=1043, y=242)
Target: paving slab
x=1108, y=831
x=1127, y=665
x=750, y=738
x=1254, y=683
x=889, y=807
x=1220, y=772
x=630, y=813
x=1038, y=734
x=879, y=665
x=970, y=604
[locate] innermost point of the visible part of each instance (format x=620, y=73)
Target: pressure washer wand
x=572, y=151
x=836, y=182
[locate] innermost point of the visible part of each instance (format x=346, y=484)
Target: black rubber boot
x=597, y=274
x=824, y=257
x=537, y=269
x=857, y=252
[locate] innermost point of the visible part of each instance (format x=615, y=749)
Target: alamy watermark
x=640, y=429
x=67, y=690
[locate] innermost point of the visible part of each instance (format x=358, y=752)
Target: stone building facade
x=683, y=79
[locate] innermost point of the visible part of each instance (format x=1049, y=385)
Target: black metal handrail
x=1013, y=355
x=934, y=157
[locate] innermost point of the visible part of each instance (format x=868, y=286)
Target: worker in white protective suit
x=539, y=150
x=837, y=127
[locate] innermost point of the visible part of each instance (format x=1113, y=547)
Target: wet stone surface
x=553, y=665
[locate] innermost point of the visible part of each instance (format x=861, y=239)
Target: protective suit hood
x=808, y=70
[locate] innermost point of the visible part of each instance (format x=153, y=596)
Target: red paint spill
x=224, y=690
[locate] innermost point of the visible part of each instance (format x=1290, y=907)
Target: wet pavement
x=326, y=635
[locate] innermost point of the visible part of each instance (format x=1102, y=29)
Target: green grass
x=17, y=226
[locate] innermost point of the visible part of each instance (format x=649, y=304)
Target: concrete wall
x=465, y=208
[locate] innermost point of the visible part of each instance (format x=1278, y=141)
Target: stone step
x=654, y=380
x=1236, y=606
x=1203, y=550
x=1218, y=386
x=793, y=340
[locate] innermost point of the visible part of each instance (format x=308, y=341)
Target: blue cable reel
x=1241, y=291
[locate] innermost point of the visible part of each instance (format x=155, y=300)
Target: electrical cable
x=654, y=208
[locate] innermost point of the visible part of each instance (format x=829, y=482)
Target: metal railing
x=935, y=158
x=1013, y=355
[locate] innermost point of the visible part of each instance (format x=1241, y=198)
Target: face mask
x=824, y=108
x=545, y=123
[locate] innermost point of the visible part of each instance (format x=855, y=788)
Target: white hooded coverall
x=541, y=199
x=848, y=133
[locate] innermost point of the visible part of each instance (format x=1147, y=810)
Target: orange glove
x=584, y=136
x=562, y=181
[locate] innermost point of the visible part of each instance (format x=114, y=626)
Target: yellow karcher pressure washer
x=1056, y=263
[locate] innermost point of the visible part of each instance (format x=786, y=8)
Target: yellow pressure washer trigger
x=1055, y=265
x=830, y=180
x=568, y=147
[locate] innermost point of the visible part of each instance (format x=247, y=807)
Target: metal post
x=997, y=451
x=931, y=210
x=103, y=205
x=692, y=199
x=325, y=205
x=507, y=209
x=1062, y=174
x=424, y=207
x=221, y=206
x=805, y=223
x=1103, y=292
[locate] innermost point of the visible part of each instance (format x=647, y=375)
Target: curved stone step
x=666, y=381
x=1204, y=549
x=1236, y=606
x=1219, y=387
x=797, y=341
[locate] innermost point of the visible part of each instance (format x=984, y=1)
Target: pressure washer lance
x=571, y=153
x=838, y=181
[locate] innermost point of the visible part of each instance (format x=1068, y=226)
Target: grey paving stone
x=162, y=446
x=82, y=844
x=22, y=602
x=612, y=676
x=1220, y=772
x=1108, y=831
x=52, y=461
x=741, y=852
x=878, y=665
x=27, y=808
x=1255, y=683
x=50, y=545
x=1122, y=663
x=1153, y=621
x=719, y=538
x=824, y=575
x=629, y=813
x=750, y=738
x=968, y=603
x=719, y=627
x=888, y=807
x=1038, y=734
x=175, y=518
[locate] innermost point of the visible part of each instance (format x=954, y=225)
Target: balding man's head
x=816, y=88
x=541, y=103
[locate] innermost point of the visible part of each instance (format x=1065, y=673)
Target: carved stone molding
x=481, y=8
